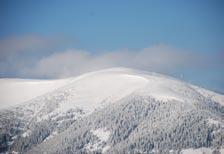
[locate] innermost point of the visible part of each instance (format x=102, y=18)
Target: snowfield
x=118, y=82
x=116, y=110
x=16, y=91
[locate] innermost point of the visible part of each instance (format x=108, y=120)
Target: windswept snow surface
x=95, y=90
x=16, y=91
x=98, y=87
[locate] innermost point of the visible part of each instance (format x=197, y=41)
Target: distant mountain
x=116, y=110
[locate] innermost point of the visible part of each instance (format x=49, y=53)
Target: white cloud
x=159, y=58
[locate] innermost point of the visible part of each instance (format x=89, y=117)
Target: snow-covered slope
x=15, y=91
x=97, y=86
x=94, y=90
x=128, y=105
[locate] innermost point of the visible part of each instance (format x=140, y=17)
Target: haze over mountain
x=116, y=110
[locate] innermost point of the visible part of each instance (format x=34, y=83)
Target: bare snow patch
x=26, y=134
x=101, y=133
x=197, y=151
x=100, y=144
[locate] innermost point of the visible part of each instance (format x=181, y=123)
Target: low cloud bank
x=159, y=58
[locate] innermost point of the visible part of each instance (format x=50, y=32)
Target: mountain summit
x=116, y=110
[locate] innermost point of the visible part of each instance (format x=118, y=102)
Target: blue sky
x=195, y=25
x=33, y=32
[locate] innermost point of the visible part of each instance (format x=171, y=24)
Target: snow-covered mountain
x=116, y=110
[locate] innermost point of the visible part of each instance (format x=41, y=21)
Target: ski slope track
x=117, y=110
